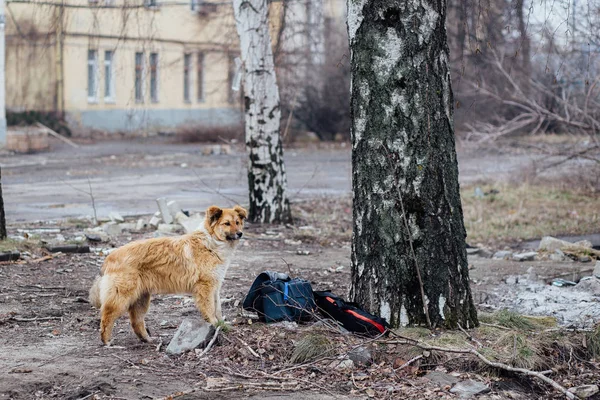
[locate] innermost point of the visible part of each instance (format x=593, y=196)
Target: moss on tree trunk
x=408, y=220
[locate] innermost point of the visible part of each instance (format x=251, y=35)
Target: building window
x=92, y=75
x=187, y=63
x=154, y=77
x=230, y=78
x=200, y=77
x=109, y=76
x=139, y=77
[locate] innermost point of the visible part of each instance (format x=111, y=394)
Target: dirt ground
x=49, y=338
x=51, y=349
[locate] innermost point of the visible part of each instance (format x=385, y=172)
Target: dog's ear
x=241, y=212
x=213, y=213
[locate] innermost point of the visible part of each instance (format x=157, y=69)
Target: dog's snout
x=239, y=234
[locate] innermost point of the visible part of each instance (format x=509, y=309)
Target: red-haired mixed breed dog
x=195, y=263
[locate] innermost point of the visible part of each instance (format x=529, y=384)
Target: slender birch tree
x=266, y=171
x=409, y=261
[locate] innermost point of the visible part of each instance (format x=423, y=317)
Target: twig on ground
x=406, y=364
x=255, y=354
x=17, y=319
x=159, y=345
x=210, y=344
x=469, y=336
x=551, y=382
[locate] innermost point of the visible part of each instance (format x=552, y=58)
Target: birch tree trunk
x=266, y=172
x=409, y=261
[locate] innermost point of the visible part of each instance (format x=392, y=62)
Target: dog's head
x=225, y=224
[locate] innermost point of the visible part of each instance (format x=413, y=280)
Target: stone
x=127, y=226
x=589, y=284
x=512, y=280
x=116, y=217
x=597, y=269
x=584, y=391
x=503, y=254
x=469, y=388
x=174, y=208
x=168, y=228
x=96, y=236
x=584, y=243
x=584, y=259
x=345, y=364
x=164, y=210
x=472, y=250
x=190, y=334
x=361, y=356
x=441, y=379
x=140, y=224
x=529, y=256
x=549, y=243
x=112, y=229
x=192, y=223
x=155, y=220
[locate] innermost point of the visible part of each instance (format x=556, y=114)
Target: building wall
x=169, y=31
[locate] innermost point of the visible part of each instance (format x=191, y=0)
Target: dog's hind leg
x=204, y=295
x=111, y=310
x=137, y=311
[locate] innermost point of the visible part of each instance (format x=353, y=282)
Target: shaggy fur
x=195, y=263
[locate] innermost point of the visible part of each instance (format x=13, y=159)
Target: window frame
x=141, y=68
x=187, y=77
x=154, y=70
x=200, y=75
x=109, y=97
x=93, y=63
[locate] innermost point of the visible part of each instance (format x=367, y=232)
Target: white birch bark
x=266, y=171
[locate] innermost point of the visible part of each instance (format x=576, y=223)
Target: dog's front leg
x=219, y=313
x=204, y=295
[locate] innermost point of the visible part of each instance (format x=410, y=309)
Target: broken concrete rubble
x=529, y=256
x=155, y=220
x=191, y=334
x=116, y=217
x=164, y=210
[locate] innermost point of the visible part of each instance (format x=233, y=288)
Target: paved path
x=127, y=176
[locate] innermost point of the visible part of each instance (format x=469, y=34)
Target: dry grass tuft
x=592, y=342
x=518, y=212
x=7, y=245
x=512, y=320
x=310, y=347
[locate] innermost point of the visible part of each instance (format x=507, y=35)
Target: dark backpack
x=350, y=315
x=277, y=297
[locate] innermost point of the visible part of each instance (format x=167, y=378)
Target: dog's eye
x=227, y=223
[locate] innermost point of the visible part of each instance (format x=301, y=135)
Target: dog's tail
x=94, y=297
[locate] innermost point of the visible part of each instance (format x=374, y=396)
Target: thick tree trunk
x=525, y=46
x=409, y=262
x=2, y=217
x=266, y=172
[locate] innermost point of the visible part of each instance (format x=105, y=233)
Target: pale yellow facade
x=123, y=66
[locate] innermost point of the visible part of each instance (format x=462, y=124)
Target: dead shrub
x=209, y=134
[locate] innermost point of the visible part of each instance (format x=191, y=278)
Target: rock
x=512, y=280
x=469, y=388
x=532, y=275
x=155, y=220
x=584, y=243
x=164, y=210
x=589, y=284
x=127, y=226
x=502, y=255
x=190, y=334
x=345, y=364
x=549, y=243
x=529, y=256
x=112, y=229
x=584, y=391
x=441, y=379
x=361, y=356
x=168, y=228
x=597, y=269
x=140, y=224
x=472, y=250
x=116, y=217
x=174, y=208
x=192, y=223
x=584, y=259
x=96, y=236
x=558, y=255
